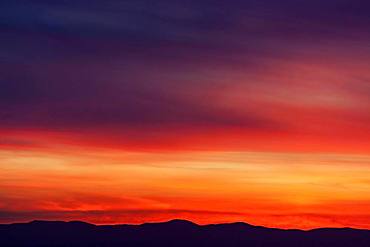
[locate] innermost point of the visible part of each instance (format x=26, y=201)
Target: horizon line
x=184, y=221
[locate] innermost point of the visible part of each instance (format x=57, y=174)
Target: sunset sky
x=213, y=111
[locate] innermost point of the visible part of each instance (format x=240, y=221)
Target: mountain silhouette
x=173, y=233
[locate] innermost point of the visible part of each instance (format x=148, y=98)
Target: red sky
x=252, y=111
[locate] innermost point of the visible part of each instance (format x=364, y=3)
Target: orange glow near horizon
x=105, y=185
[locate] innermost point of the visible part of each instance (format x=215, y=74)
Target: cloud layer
x=193, y=65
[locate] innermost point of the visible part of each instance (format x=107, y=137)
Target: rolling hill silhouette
x=173, y=233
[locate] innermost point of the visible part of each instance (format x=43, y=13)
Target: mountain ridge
x=181, y=221
x=173, y=233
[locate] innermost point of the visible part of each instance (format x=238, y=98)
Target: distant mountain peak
x=175, y=223
x=181, y=222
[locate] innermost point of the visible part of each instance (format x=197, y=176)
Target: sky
x=213, y=111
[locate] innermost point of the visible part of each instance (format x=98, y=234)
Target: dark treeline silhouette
x=174, y=233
